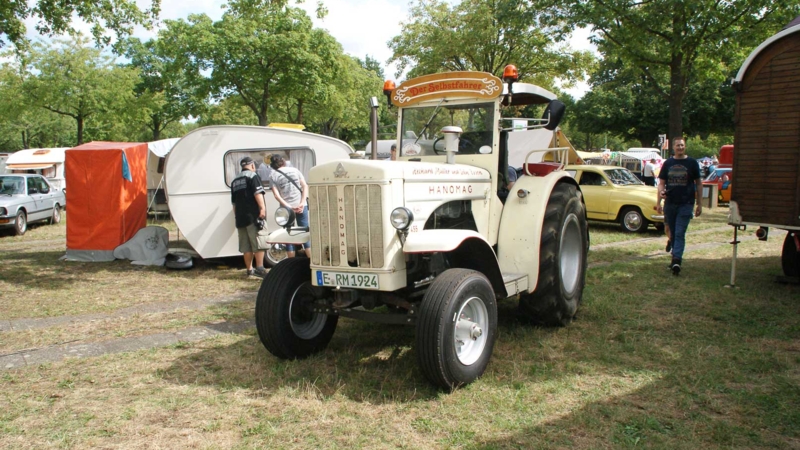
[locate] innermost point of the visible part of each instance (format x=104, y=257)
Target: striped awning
x=29, y=166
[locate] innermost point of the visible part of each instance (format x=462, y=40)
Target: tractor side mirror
x=553, y=114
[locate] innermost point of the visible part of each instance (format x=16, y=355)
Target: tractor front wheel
x=456, y=328
x=286, y=322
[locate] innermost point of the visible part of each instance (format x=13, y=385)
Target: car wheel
x=563, y=251
x=285, y=320
x=632, y=220
x=790, y=255
x=21, y=225
x=456, y=328
x=274, y=254
x=56, y=217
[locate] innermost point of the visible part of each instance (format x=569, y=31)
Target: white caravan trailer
x=156, y=156
x=201, y=166
x=48, y=162
x=3, y=158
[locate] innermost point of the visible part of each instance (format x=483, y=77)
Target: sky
x=363, y=27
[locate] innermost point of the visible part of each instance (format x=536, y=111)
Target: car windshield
x=717, y=174
x=622, y=177
x=422, y=128
x=12, y=185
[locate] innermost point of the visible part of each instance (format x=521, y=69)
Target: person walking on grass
x=679, y=183
x=247, y=197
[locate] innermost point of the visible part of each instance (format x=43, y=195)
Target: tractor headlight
x=284, y=216
x=401, y=218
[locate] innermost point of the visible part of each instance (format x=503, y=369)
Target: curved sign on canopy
x=450, y=84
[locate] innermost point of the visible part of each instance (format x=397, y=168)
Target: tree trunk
x=156, y=128
x=677, y=83
x=25, y=143
x=262, y=119
x=299, y=118
x=79, y=119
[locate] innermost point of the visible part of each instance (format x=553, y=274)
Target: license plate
x=353, y=280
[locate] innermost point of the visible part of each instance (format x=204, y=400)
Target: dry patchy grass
x=652, y=360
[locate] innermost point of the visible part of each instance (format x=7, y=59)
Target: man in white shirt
x=290, y=190
x=648, y=174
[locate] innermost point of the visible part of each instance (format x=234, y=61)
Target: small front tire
x=55, y=218
x=456, y=328
x=285, y=321
x=21, y=224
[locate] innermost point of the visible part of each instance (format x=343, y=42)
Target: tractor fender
x=465, y=249
x=281, y=236
x=521, y=224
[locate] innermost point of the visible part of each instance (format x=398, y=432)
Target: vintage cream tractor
x=435, y=239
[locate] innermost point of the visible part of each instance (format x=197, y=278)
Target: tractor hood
x=359, y=170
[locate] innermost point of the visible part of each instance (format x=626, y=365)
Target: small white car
x=26, y=198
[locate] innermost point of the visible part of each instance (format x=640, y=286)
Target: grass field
x=652, y=361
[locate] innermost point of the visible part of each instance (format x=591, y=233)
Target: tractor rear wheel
x=790, y=255
x=562, y=260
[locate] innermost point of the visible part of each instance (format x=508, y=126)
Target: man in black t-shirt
x=679, y=182
x=247, y=197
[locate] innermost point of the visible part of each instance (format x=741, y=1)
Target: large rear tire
x=790, y=256
x=562, y=260
x=286, y=323
x=456, y=328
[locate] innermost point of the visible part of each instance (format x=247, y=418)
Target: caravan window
x=301, y=158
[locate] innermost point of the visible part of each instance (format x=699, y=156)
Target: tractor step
x=515, y=283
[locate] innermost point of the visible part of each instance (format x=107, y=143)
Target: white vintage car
x=26, y=198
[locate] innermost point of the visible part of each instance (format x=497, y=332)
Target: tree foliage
x=486, y=35
x=256, y=51
x=77, y=81
x=674, y=45
x=55, y=17
x=163, y=90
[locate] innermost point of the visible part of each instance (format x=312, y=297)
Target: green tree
x=23, y=125
x=486, y=35
x=256, y=51
x=77, y=81
x=228, y=111
x=674, y=43
x=55, y=17
x=163, y=90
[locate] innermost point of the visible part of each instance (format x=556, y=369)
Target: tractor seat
x=541, y=169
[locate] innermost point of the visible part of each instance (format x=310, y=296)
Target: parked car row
x=26, y=198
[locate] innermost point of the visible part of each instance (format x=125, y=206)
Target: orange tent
x=107, y=197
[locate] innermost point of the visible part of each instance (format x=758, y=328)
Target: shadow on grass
x=26, y=268
x=364, y=362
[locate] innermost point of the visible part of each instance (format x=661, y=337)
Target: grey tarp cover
x=148, y=247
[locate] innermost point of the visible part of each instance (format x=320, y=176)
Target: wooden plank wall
x=766, y=156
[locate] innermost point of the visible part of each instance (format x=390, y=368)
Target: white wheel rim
x=56, y=215
x=470, y=328
x=22, y=223
x=276, y=253
x=570, y=253
x=305, y=323
x=633, y=221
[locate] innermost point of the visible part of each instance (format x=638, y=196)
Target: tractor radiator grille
x=346, y=225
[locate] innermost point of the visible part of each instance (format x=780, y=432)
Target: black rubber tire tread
x=436, y=357
x=790, y=257
x=272, y=312
x=56, y=213
x=624, y=211
x=549, y=305
x=20, y=215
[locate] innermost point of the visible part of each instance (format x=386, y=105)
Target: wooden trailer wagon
x=766, y=163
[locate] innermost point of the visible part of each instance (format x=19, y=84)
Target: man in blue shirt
x=679, y=182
